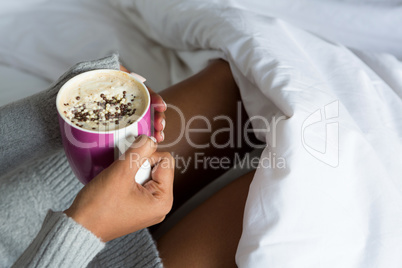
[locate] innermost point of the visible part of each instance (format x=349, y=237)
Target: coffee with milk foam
x=103, y=101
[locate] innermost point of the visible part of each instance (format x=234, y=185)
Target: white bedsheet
x=45, y=38
x=337, y=202
x=16, y=84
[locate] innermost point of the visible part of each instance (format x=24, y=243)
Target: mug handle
x=144, y=172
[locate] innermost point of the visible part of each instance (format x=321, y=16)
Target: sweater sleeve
x=61, y=242
x=37, y=115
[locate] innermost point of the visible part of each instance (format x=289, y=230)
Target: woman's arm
x=110, y=206
x=61, y=242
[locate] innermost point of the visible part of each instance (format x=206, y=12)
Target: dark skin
x=208, y=236
x=216, y=94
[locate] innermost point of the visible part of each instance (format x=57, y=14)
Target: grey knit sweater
x=35, y=180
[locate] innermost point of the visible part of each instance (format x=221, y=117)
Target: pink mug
x=91, y=151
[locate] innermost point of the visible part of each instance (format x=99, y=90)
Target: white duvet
x=336, y=198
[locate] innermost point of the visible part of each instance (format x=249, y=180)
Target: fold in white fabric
x=333, y=197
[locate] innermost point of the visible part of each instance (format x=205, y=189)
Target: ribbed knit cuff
x=61, y=242
x=133, y=250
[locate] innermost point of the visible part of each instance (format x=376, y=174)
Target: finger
x=159, y=136
x=159, y=121
x=160, y=104
x=163, y=170
x=157, y=157
x=124, y=69
x=151, y=92
x=141, y=149
x=161, y=185
x=157, y=102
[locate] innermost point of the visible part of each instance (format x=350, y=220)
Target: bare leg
x=209, y=235
x=210, y=93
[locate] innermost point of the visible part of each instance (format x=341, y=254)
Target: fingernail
x=153, y=139
x=139, y=137
x=163, y=123
x=165, y=104
x=163, y=135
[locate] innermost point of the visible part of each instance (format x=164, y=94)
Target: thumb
x=161, y=183
x=139, y=151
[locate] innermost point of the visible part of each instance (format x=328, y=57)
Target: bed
x=326, y=76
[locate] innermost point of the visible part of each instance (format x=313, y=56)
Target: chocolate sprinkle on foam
x=107, y=109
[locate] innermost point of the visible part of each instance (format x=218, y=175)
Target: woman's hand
x=113, y=204
x=159, y=106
